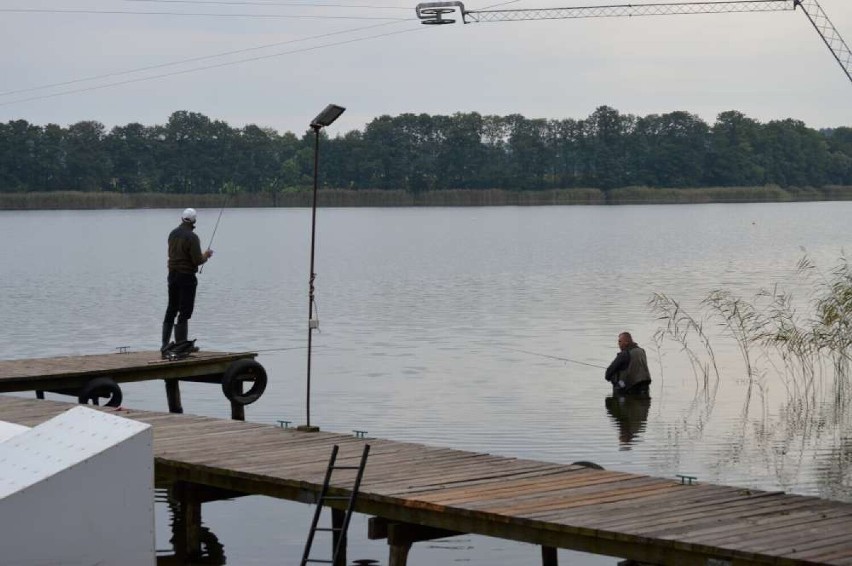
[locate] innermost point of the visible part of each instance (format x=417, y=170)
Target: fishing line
x=280, y=349
x=553, y=357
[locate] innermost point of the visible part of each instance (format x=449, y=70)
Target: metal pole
x=312, y=274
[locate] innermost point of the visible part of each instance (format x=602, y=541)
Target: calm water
x=422, y=316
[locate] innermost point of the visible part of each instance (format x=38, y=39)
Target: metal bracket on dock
x=284, y=424
x=687, y=480
x=360, y=433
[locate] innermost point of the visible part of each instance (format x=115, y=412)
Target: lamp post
x=325, y=118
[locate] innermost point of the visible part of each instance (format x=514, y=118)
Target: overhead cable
x=193, y=14
x=191, y=60
x=206, y=67
x=289, y=4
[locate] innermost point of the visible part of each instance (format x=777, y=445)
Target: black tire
x=100, y=388
x=586, y=464
x=240, y=372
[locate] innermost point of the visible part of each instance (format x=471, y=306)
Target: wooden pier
x=95, y=377
x=418, y=492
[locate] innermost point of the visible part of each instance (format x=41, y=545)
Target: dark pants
x=181, y=296
x=641, y=388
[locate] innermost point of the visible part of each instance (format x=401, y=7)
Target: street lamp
x=325, y=118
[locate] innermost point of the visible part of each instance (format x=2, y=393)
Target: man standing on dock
x=629, y=372
x=185, y=256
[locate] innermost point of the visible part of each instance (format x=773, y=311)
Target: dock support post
x=173, y=395
x=238, y=412
x=399, y=554
x=401, y=536
x=188, y=522
x=337, y=517
x=548, y=556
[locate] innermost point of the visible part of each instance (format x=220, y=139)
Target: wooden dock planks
x=653, y=519
x=73, y=371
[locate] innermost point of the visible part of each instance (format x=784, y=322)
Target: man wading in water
x=628, y=372
x=185, y=256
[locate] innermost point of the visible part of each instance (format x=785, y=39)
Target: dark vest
x=637, y=370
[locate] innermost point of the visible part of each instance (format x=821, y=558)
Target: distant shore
x=75, y=200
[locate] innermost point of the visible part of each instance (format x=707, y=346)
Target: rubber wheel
x=586, y=464
x=239, y=372
x=100, y=388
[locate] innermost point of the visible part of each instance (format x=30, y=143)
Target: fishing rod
x=554, y=357
x=278, y=349
x=216, y=226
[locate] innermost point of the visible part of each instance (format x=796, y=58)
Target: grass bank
x=74, y=200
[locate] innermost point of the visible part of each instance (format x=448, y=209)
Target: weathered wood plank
x=705, y=509
x=650, y=506
x=682, y=506
x=72, y=371
x=650, y=519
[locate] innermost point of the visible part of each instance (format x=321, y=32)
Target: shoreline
x=78, y=200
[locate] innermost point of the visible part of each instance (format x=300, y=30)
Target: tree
x=565, y=138
x=839, y=166
x=669, y=150
x=18, y=158
x=530, y=156
x=52, y=159
x=87, y=160
x=732, y=158
x=388, y=153
x=194, y=153
x=255, y=160
x=793, y=155
x=605, y=149
x=131, y=152
x=460, y=153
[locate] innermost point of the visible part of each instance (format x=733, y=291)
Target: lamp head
x=325, y=118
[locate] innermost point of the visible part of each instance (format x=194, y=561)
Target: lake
x=472, y=328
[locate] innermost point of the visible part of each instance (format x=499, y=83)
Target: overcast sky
x=375, y=58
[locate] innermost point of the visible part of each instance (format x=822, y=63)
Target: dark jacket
x=629, y=368
x=185, y=249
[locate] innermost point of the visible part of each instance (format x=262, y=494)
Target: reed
x=682, y=327
x=802, y=348
x=704, y=195
x=302, y=197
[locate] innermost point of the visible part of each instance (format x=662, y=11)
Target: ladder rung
x=346, y=467
x=328, y=529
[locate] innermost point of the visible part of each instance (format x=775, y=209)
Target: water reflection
x=406, y=322
x=630, y=415
x=212, y=551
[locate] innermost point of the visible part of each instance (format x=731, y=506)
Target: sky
x=277, y=63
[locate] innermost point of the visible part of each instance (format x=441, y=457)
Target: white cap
x=188, y=215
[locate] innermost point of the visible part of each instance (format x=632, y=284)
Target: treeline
x=419, y=153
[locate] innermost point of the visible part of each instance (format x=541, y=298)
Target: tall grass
x=302, y=197
x=767, y=193
x=297, y=197
x=773, y=336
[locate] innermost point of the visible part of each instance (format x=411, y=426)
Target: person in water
x=629, y=372
x=185, y=256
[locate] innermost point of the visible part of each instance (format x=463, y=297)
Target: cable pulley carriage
x=439, y=13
